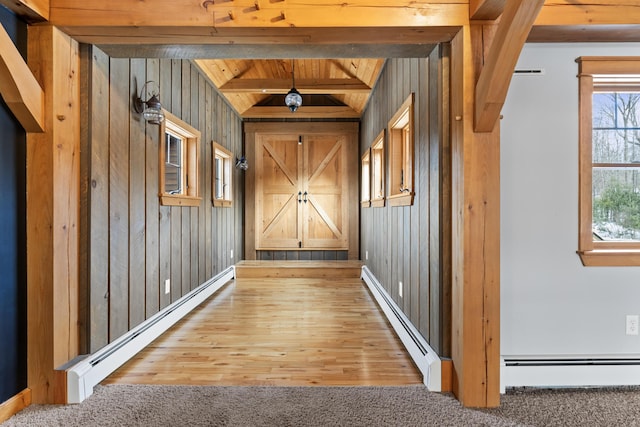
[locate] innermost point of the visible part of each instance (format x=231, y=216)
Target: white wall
x=551, y=304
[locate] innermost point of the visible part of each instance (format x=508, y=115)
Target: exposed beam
x=486, y=9
x=256, y=48
x=19, y=88
x=269, y=14
x=30, y=10
x=330, y=112
x=53, y=206
x=595, y=12
x=593, y=21
x=307, y=86
x=495, y=77
x=584, y=33
x=475, y=240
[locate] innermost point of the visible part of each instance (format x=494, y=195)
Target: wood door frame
x=350, y=129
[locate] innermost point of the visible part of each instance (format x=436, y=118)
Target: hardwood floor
x=286, y=332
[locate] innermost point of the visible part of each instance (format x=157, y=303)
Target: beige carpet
x=139, y=405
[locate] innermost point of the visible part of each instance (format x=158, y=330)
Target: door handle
x=305, y=197
x=299, y=196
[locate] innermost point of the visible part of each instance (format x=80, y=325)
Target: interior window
x=179, y=156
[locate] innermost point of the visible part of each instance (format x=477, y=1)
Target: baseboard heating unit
x=575, y=371
x=83, y=376
x=425, y=358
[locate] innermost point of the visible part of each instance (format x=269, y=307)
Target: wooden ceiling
x=330, y=87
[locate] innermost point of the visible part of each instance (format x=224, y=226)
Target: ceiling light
x=293, y=99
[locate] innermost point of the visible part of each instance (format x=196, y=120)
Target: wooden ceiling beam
x=598, y=12
x=495, y=77
x=307, y=86
x=19, y=87
x=244, y=13
x=584, y=33
x=330, y=112
x=486, y=9
x=30, y=10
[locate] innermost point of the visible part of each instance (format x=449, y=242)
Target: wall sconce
x=241, y=163
x=151, y=109
x=293, y=99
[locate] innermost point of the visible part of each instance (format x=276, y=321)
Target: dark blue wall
x=13, y=282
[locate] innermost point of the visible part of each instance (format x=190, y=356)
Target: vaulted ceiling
x=330, y=87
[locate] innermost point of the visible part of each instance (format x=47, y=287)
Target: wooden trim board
x=15, y=404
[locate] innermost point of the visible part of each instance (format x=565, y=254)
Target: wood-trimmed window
x=401, y=135
x=179, y=159
x=609, y=163
x=377, y=171
x=365, y=181
x=222, y=188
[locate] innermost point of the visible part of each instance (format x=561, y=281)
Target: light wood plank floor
x=285, y=332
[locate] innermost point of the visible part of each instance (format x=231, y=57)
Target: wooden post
x=53, y=188
x=475, y=239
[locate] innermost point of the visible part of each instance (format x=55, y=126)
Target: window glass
x=173, y=165
x=616, y=152
x=222, y=176
x=365, y=193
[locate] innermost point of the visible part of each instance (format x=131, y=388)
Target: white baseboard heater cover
x=425, y=358
x=86, y=374
x=574, y=371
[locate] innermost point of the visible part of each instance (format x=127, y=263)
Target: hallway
x=277, y=331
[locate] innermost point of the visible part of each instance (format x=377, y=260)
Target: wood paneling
x=246, y=82
x=405, y=244
x=137, y=244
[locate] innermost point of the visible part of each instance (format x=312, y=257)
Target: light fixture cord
x=293, y=73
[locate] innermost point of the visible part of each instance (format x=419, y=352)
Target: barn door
x=277, y=185
x=325, y=192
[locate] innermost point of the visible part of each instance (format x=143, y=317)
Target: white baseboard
x=425, y=358
x=83, y=376
x=571, y=371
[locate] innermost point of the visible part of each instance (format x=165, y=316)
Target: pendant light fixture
x=293, y=99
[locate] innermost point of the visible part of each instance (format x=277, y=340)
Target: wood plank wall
x=411, y=244
x=132, y=243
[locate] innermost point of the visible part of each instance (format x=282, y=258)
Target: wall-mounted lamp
x=151, y=109
x=241, y=163
x=293, y=99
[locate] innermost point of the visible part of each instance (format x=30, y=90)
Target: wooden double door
x=305, y=189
